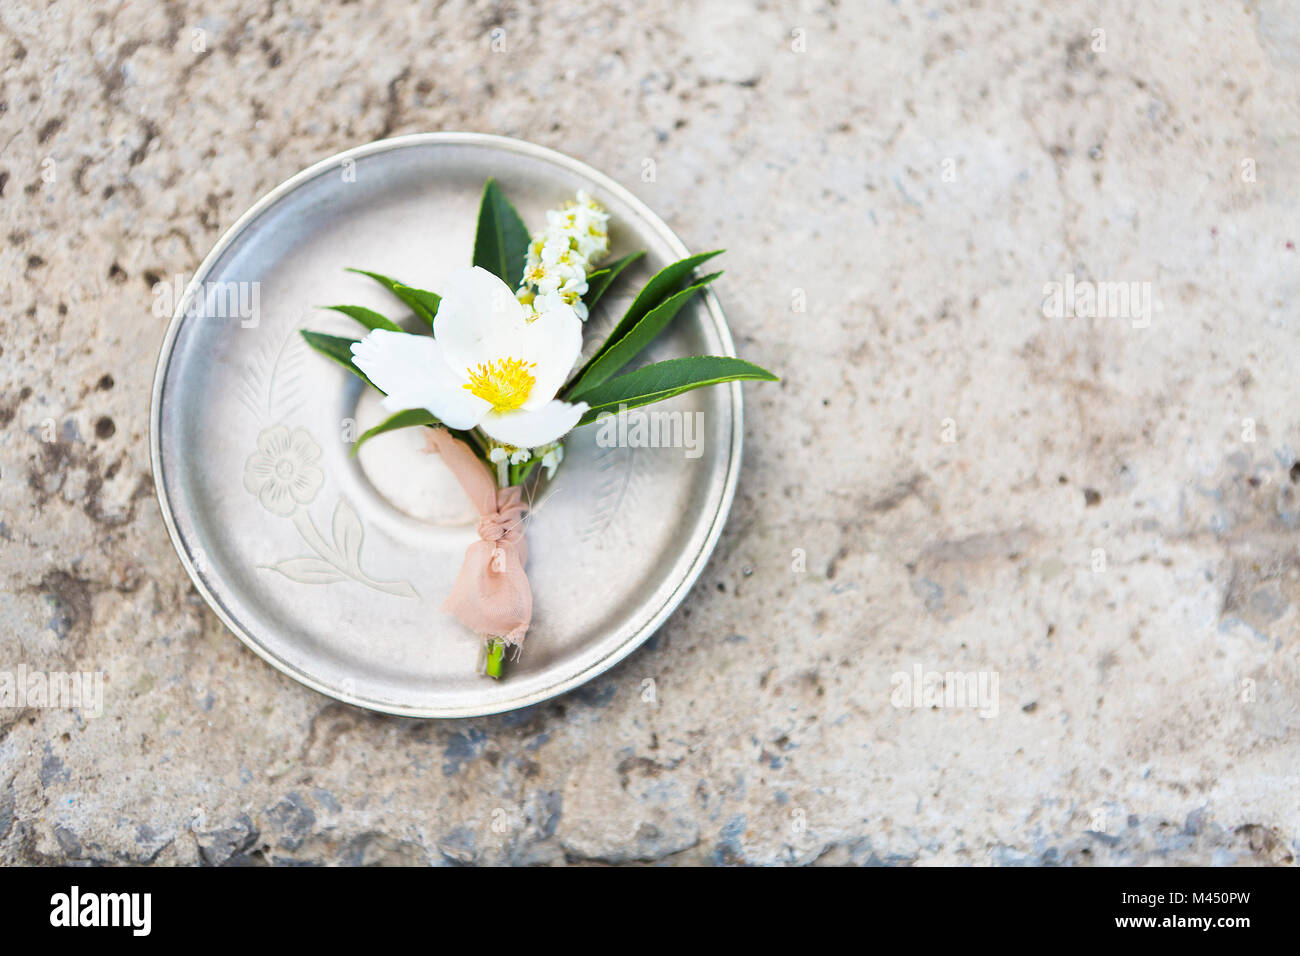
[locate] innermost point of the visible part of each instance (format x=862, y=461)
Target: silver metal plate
x=340, y=586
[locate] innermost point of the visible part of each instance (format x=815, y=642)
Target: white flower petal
x=414, y=372
x=528, y=429
x=478, y=317
x=554, y=341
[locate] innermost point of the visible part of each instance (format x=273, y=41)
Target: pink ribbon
x=491, y=595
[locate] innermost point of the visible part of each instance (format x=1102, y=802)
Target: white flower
x=283, y=472
x=556, y=302
x=574, y=288
x=560, y=257
x=493, y=364
x=535, y=276
x=501, y=453
x=570, y=298
x=593, y=208
x=552, y=455
x=592, y=245
x=535, y=250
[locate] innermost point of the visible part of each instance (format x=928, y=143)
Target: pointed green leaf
x=638, y=337
x=666, y=281
x=339, y=349
x=598, y=283
x=367, y=317
x=407, y=419
x=420, y=301
x=501, y=243
x=654, y=383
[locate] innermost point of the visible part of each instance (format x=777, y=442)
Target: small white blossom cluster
x=551, y=455
x=561, y=255
x=516, y=456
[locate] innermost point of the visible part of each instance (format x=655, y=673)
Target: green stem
x=519, y=473
x=494, y=662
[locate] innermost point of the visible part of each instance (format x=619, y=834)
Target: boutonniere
x=493, y=374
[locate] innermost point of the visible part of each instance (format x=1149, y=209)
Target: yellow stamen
x=504, y=383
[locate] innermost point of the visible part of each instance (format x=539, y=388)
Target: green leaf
x=501, y=244
x=340, y=350
x=666, y=281
x=638, y=337
x=367, y=317
x=598, y=282
x=407, y=419
x=420, y=301
x=654, y=383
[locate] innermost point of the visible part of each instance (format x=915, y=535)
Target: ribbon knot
x=499, y=526
x=491, y=594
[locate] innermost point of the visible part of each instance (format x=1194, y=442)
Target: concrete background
x=1101, y=514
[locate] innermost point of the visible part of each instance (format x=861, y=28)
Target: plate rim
x=237, y=229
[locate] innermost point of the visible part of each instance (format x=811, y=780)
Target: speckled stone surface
x=1100, y=512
